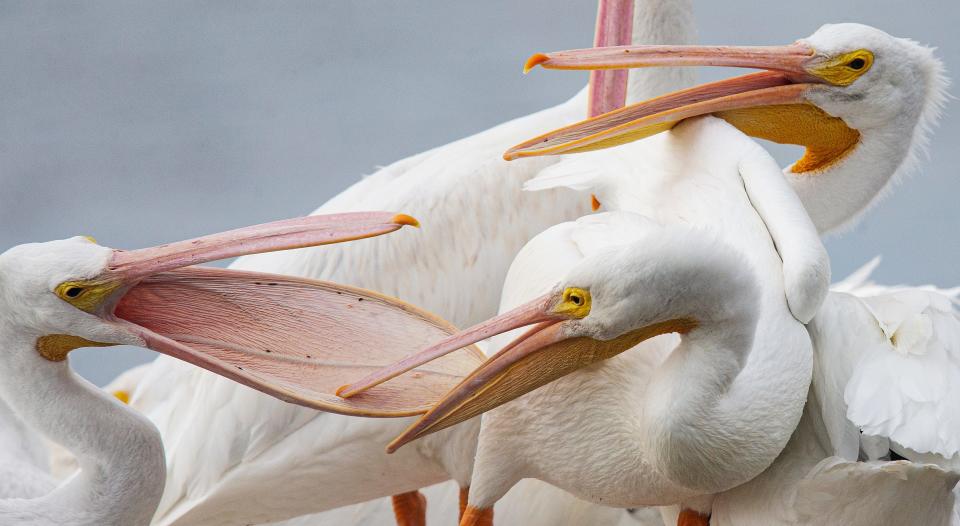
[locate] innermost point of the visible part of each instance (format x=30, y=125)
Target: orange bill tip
x=594, y=202
x=404, y=219
x=535, y=60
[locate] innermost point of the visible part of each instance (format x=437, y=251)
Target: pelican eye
x=575, y=303
x=85, y=295
x=857, y=63
x=73, y=292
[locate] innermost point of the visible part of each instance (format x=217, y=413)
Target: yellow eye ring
x=574, y=303
x=85, y=295
x=70, y=290
x=845, y=69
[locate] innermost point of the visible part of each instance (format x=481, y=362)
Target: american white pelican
x=624, y=432
x=886, y=105
x=841, y=181
x=861, y=101
x=476, y=218
x=253, y=328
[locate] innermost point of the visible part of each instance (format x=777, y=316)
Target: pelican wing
x=889, y=364
x=908, y=389
x=838, y=492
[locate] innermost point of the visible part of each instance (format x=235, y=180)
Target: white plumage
x=254, y=455
x=62, y=295
x=629, y=431
x=909, y=384
x=808, y=486
x=120, y=451
x=268, y=460
x=890, y=358
x=817, y=480
x=24, y=466
x=832, y=197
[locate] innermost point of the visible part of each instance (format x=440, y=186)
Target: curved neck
x=661, y=22
x=684, y=403
x=122, y=469
x=708, y=360
x=839, y=194
x=720, y=408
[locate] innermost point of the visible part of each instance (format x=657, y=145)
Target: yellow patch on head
x=55, y=347
x=845, y=69
x=85, y=295
x=122, y=395
x=827, y=138
x=90, y=239
x=575, y=303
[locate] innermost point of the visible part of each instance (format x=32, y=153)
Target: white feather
x=889, y=364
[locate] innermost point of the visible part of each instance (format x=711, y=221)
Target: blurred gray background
x=140, y=122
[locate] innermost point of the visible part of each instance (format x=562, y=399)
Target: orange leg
x=477, y=517
x=410, y=509
x=692, y=518
x=464, y=496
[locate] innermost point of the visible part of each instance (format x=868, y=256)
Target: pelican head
x=45, y=300
x=847, y=91
x=61, y=295
x=874, y=81
x=844, y=80
x=607, y=304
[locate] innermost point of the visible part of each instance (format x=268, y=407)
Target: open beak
x=748, y=102
x=292, y=338
x=533, y=312
x=543, y=353
x=128, y=266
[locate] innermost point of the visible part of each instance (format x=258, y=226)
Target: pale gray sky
x=140, y=122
